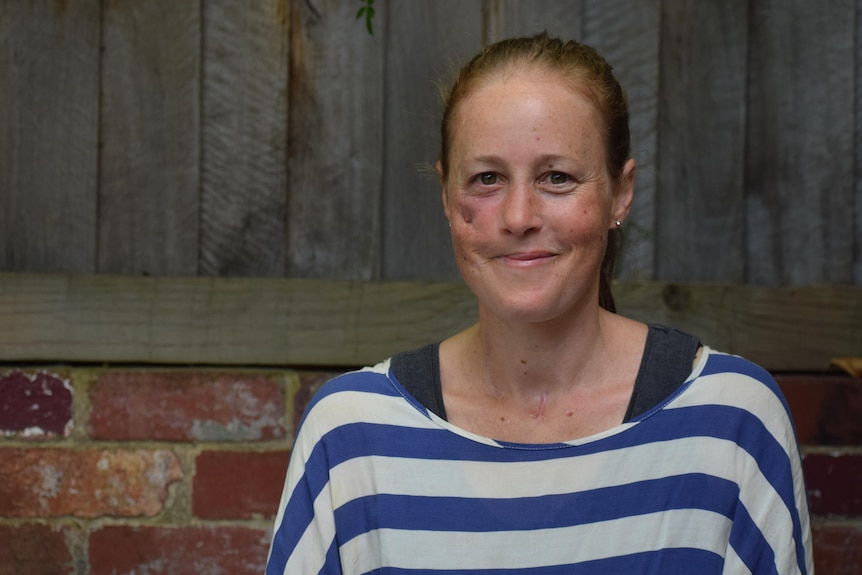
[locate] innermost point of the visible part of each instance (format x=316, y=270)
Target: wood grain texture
x=335, y=146
x=513, y=18
x=782, y=329
x=700, y=206
x=297, y=322
x=857, y=200
x=49, y=87
x=148, y=179
x=223, y=320
x=628, y=34
x=800, y=170
x=244, y=138
x=427, y=41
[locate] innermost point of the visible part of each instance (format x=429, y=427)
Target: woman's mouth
x=527, y=258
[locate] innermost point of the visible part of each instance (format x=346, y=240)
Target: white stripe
x=534, y=549
x=340, y=408
x=449, y=478
x=742, y=392
x=751, y=395
x=716, y=457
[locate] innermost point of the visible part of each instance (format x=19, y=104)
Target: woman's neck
x=541, y=383
x=538, y=359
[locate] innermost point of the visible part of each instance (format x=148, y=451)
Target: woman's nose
x=520, y=210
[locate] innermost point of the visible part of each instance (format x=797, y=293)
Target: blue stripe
x=662, y=562
x=718, y=421
x=695, y=491
x=751, y=546
x=332, y=564
x=361, y=439
x=362, y=381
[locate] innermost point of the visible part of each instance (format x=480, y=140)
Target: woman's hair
x=588, y=72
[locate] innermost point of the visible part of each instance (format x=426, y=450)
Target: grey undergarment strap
x=419, y=372
x=666, y=364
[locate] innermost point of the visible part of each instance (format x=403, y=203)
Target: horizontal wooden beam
x=301, y=322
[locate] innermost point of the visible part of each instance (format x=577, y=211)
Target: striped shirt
x=709, y=481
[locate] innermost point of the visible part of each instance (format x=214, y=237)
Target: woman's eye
x=557, y=178
x=488, y=178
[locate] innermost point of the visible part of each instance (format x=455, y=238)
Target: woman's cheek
x=467, y=210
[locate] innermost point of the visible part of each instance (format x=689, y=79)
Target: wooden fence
x=278, y=139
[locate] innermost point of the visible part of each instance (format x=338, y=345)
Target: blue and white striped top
x=709, y=481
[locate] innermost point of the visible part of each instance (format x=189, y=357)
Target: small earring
x=618, y=223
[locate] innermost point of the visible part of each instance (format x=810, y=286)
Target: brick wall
x=173, y=472
x=112, y=471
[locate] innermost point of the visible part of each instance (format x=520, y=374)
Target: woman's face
x=529, y=198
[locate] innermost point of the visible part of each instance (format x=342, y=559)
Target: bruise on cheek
x=466, y=211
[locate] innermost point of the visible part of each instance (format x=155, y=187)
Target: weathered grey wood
x=49, y=87
x=783, y=329
x=800, y=136
x=857, y=200
x=628, y=34
x=335, y=143
x=427, y=42
x=700, y=211
x=222, y=320
x=149, y=168
x=242, y=321
x=511, y=18
x=244, y=138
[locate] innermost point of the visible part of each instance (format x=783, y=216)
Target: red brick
x=186, y=406
x=238, y=485
x=85, y=483
x=837, y=549
x=834, y=484
x=34, y=550
x=178, y=551
x=310, y=382
x=825, y=408
x=37, y=405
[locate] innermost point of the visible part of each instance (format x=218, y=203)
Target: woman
x=553, y=436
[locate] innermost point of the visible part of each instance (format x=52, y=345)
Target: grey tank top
x=666, y=365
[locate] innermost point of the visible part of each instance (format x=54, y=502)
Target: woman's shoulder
x=364, y=396
x=734, y=381
x=347, y=386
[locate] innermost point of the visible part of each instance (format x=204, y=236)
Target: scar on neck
x=540, y=411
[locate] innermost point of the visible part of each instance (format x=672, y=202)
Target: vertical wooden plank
x=49, y=88
x=628, y=35
x=700, y=203
x=335, y=141
x=513, y=18
x=244, y=138
x=857, y=202
x=148, y=196
x=427, y=41
x=800, y=169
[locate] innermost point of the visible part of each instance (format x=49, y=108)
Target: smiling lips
x=527, y=258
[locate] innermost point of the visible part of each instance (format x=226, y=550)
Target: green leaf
x=369, y=20
x=360, y=13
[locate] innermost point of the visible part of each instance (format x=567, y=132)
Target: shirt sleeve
x=771, y=531
x=304, y=539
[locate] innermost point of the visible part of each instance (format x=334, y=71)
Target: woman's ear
x=443, y=189
x=624, y=193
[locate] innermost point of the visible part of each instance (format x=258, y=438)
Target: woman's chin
x=525, y=310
